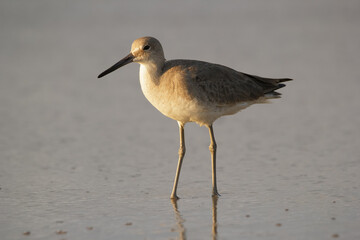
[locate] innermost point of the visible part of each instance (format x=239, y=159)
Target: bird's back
x=217, y=84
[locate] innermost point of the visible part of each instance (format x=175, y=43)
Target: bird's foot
x=215, y=193
x=173, y=196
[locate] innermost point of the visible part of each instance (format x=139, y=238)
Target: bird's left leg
x=182, y=150
x=212, y=149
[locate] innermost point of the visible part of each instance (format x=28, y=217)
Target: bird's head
x=143, y=51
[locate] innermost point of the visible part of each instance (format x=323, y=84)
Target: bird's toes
x=215, y=194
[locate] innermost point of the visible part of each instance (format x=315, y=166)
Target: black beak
x=126, y=60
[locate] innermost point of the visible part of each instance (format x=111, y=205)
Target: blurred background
x=80, y=153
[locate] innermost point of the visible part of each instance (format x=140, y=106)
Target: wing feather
x=218, y=84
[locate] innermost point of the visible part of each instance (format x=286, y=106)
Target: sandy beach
x=88, y=158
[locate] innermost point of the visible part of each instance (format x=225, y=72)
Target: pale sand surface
x=94, y=159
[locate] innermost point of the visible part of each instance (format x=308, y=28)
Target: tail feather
x=272, y=95
x=276, y=87
x=284, y=79
x=269, y=85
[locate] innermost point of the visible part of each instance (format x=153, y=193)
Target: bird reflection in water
x=180, y=220
x=214, y=217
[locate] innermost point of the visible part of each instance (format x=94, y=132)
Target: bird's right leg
x=212, y=149
x=181, y=157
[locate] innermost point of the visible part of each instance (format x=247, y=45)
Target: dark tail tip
x=285, y=79
x=280, y=85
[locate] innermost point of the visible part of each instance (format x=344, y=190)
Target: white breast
x=164, y=99
x=153, y=92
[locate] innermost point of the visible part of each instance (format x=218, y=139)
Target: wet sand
x=83, y=158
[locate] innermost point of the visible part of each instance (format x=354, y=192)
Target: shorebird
x=195, y=91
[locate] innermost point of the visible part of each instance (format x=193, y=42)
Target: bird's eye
x=147, y=47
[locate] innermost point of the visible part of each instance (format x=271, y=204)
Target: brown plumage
x=219, y=84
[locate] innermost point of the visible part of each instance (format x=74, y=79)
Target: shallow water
x=82, y=158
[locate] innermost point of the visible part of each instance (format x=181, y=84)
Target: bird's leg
x=212, y=149
x=181, y=157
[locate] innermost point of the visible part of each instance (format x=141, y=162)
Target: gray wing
x=221, y=85
x=224, y=86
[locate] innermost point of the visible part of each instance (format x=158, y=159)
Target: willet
x=195, y=91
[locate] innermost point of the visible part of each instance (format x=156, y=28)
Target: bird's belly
x=176, y=108
x=185, y=110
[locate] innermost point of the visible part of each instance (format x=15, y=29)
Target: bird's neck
x=150, y=72
x=150, y=76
